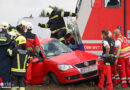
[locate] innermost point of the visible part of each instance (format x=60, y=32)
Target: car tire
x=55, y=79
x=47, y=80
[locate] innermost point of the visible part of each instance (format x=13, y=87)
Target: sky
x=12, y=10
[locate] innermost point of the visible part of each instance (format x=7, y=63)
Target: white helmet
x=4, y=25
x=29, y=26
x=48, y=11
x=22, y=23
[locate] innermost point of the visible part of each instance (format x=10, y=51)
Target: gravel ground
x=82, y=86
x=77, y=86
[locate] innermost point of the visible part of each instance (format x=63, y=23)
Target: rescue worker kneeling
x=108, y=48
x=18, y=64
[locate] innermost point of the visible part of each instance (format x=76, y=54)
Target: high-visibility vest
x=125, y=48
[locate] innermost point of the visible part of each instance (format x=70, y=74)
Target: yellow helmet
x=48, y=11
x=20, y=40
x=22, y=23
x=4, y=25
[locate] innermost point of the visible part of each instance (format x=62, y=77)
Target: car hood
x=73, y=57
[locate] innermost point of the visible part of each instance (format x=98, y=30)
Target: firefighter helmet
x=29, y=26
x=4, y=25
x=48, y=11
x=20, y=40
x=13, y=33
x=22, y=23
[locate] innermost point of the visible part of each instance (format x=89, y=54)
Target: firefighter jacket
x=19, y=60
x=32, y=41
x=125, y=48
x=20, y=31
x=56, y=21
x=4, y=38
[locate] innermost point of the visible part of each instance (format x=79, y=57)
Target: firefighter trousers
x=124, y=71
x=18, y=79
x=115, y=75
x=60, y=35
x=105, y=72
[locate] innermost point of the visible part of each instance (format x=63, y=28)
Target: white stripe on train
x=92, y=41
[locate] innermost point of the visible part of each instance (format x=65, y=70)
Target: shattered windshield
x=55, y=48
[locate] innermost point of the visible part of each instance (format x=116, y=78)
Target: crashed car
x=56, y=61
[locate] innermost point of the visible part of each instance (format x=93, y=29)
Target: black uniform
x=57, y=25
x=4, y=58
x=111, y=43
x=18, y=65
x=4, y=38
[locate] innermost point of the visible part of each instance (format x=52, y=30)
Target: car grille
x=81, y=65
x=89, y=74
x=72, y=77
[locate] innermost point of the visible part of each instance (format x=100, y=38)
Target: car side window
x=112, y=3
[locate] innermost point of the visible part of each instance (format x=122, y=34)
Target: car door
x=37, y=68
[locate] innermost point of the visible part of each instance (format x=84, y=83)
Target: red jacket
x=32, y=41
x=125, y=48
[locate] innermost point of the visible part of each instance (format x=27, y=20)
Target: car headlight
x=64, y=67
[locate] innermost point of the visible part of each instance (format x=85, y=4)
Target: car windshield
x=55, y=48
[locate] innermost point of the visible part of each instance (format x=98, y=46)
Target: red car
x=56, y=60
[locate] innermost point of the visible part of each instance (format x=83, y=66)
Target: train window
x=112, y=3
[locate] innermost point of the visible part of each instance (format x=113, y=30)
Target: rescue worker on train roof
x=123, y=55
x=4, y=59
x=19, y=60
x=56, y=23
x=32, y=39
x=108, y=55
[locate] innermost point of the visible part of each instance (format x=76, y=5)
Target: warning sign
x=93, y=47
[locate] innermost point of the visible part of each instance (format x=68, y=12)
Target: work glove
x=39, y=24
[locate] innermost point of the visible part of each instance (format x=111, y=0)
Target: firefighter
x=4, y=58
x=19, y=56
x=108, y=48
x=21, y=27
x=56, y=23
x=122, y=52
x=115, y=75
x=32, y=39
x=4, y=36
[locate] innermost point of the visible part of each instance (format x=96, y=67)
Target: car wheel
x=55, y=79
x=47, y=80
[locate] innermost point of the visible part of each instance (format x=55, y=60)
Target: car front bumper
x=73, y=75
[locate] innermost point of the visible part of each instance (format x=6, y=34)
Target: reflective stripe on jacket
x=125, y=48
